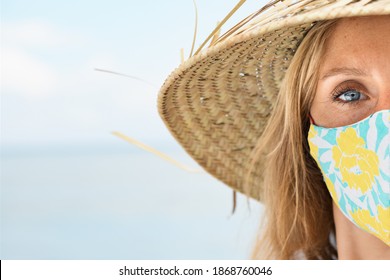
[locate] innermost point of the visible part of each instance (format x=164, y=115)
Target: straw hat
x=217, y=103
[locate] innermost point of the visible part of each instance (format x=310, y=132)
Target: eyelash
x=344, y=88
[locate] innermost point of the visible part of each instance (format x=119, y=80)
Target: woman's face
x=354, y=77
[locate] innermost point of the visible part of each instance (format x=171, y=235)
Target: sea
x=103, y=203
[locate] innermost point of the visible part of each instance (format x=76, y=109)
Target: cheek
x=319, y=110
x=328, y=113
x=320, y=113
x=328, y=116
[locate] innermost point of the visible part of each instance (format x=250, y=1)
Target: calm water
x=117, y=205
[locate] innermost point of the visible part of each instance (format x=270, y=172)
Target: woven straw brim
x=218, y=102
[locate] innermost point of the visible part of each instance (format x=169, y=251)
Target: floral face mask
x=355, y=163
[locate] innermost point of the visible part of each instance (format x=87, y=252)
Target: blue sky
x=50, y=93
x=53, y=100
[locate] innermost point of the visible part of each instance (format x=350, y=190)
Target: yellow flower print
x=358, y=166
x=313, y=147
x=332, y=190
x=379, y=226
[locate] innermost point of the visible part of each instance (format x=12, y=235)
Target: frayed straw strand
x=196, y=28
x=127, y=76
x=181, y=55
x=156, y=152
x=239, y=4
x=215, y=36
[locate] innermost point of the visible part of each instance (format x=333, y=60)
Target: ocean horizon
x=117, y=203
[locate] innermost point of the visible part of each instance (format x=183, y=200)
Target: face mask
x=355, y=163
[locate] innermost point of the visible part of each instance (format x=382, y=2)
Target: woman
x=291, y=106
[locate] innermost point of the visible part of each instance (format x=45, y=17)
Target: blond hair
x=298, y=220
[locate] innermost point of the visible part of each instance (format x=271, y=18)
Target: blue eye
x=350, y=92
x=350, y=95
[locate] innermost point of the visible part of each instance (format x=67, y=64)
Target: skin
x=357, y=57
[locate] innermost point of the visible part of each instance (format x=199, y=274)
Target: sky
x=57, y=107
x=51, y=94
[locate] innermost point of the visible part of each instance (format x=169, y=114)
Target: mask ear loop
x=311, y=120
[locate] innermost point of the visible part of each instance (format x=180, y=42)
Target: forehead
x=358, y=42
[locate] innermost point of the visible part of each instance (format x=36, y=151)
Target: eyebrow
x=344, y=71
